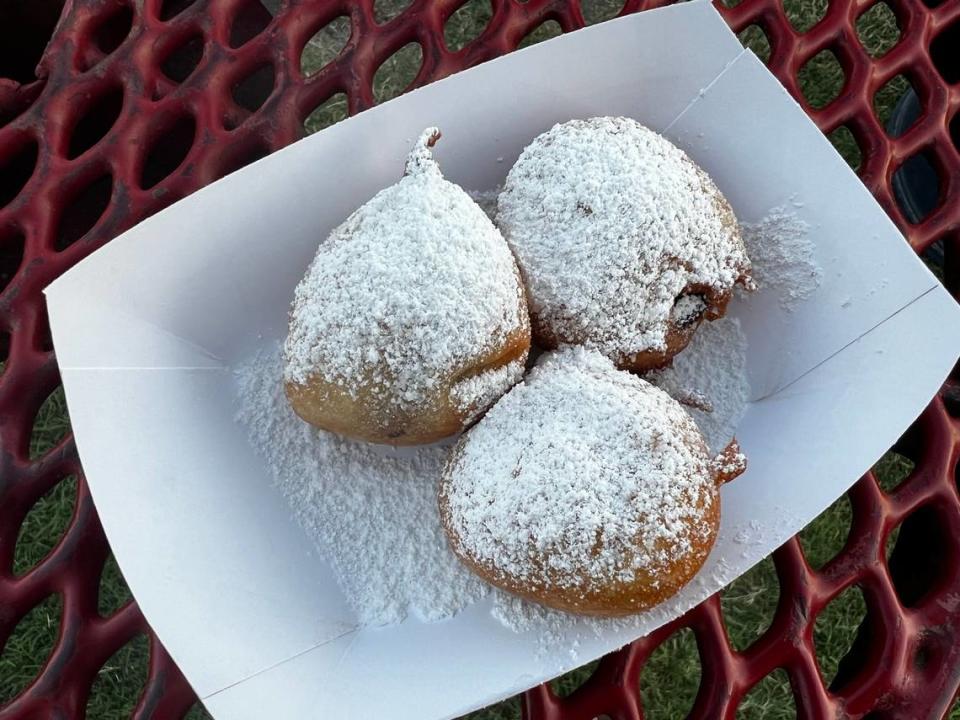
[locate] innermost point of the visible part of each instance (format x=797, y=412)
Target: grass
x=669, y=681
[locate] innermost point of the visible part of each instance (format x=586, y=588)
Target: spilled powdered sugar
x=581, y=476
x=783, y=256
x=713, y=367
x=371, y=510
x=409, y=291
x=611, y=223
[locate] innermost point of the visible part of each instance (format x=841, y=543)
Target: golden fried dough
x=411, y=320
x=585, y=489
x=625, y=245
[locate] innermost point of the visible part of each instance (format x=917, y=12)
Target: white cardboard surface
x=147, y=328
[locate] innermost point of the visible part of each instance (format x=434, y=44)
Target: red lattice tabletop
x=137, y=103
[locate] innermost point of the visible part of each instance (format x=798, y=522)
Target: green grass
x=50, y=424
x=769, y=699
x=27, y=649
x=671, y=677
x=466, y=24
x=44, y=525
x=119, y=682
x=669, y=681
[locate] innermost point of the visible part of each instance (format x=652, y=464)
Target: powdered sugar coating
x=611, y=224
x=406, y=294
x=580, y=474
x=476, y=393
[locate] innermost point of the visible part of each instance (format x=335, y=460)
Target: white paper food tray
x=146, y=331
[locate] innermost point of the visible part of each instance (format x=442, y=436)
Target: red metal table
x=137, y=103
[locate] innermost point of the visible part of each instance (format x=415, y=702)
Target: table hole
x=169, y=150
x=466, y=24
x=26, y=28
x=749, y=604
x=802, y=16
x=943, y=52
x=44, y=525
x=771, y=697
x=12, y=242
x=846, y=144
x=878, y=29
x=755, y=39
x=82, y=211
x=568, y=683
x=919, y=556
x=933, y=257
x=325, y=45
x=825, y=537
x=251, y=20
x=397, y=72
x=841, y=636
x=918, y=173
x=821, y=79
x=120, y=682
x=913, y=444
x=386, y=10
x=112, y=591
x=95, y=122
x=29, y=646
x=670, y=679
x=252, y=91
x=598, y=11
x=51, y=424
x=950, y=392
x=110, y=33
x=169, y=9
x=42, y=339
x=15, y=104
x=330, y=111
x=184, y=59
x=544, y=31
x=891, y=470
x=887, y=98
x=16, y=170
